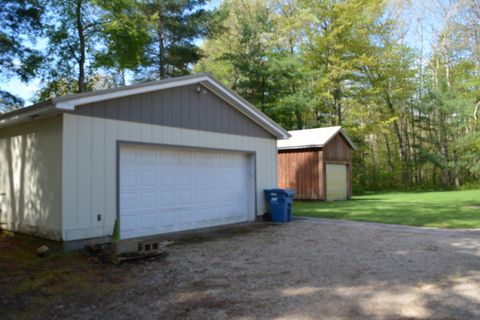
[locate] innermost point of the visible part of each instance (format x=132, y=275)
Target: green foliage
x=116, y=231
x=172, y=28
x=9, y=102
x=18, y=57
x=17, y=17
x=468, y=151
x=126, y=33
x=305, y=63
x=73, y=30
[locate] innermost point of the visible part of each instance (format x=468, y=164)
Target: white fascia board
x=71, y=104
x=306, y=146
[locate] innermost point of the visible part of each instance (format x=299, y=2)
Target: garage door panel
x=184, y=178
x=147, y=220
x=165, y=219
x=129, y=178
x=184, y=158
x=169, y=189
x=200, y=159
x=166, y=199
x=148, y=199
x=183, y=218
x=166, y=159
x=128, y=158
x=165, y=178
x=202, y=177
x=147, y=178
x=128, y=223
x=201, y=197
x=146, y=156
x=128, y=200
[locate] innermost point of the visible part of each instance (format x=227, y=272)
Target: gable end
x=190, y=107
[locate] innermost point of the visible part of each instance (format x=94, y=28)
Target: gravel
x=307, y=269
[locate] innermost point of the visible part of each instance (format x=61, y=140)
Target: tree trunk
x=401, y=142
x=337, y=107
x=408, y=151
x=82, y=86
x=161, y=43
x=391, y=168
x=455, y=171
x=475, y=117
x=444, y=149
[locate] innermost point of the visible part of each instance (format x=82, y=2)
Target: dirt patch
x=31, y=285
x=301, y=270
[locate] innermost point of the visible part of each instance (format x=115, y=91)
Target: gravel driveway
x=308, y=269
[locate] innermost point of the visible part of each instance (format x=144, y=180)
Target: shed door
x=336, y=182
x=166, y=190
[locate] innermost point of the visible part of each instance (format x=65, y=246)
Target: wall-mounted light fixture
x=201, y=90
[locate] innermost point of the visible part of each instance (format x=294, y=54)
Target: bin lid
x=280, y=192
x=290, y=192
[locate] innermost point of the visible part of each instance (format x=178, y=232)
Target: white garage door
x=171, y=189
x=336, y=182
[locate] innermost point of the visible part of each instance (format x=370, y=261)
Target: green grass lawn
x=448, y=209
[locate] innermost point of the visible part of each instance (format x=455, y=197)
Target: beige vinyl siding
x=90, y=159
x=30, y=169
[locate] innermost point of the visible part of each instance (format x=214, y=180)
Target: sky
x=421, y=20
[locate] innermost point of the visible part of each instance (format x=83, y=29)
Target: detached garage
x=317, y=163
x=159, y=157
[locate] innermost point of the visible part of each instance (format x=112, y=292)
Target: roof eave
x=28, y=114
x=310, y=146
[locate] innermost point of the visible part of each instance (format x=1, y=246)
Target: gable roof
x=66, y=103
x=312, y=138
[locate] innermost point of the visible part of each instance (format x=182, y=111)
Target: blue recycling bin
x=290, y=195
x=280, y=204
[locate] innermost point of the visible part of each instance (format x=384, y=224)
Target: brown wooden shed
x=317, y=163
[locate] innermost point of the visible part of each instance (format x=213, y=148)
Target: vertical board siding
x=30, y=177
x=299, y=170
x=338, y=149
x=89, y=166
x=181, y=107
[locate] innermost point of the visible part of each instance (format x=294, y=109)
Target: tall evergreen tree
x=173, y=28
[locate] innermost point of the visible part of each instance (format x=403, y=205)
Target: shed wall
x=30, y=177
x=90, y=169
x=338, y=149
x=302, y=170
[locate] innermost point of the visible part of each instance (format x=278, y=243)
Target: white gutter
x=27, y=116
